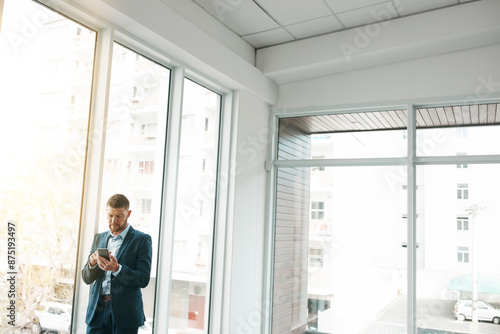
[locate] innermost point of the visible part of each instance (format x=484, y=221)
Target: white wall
x=248, y=244
x=470, y=74
x=451, y=29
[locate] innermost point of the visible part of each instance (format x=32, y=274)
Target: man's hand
x=111, y=265
x=93, y=259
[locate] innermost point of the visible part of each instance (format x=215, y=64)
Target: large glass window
x=135, y=148
x=341, y=231
x=46, y=64
x=458, y=262
x=455, y=130
x=351, y=135
x=351, y=259
x=195, y=211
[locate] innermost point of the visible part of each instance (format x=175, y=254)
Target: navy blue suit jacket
x=134, y=256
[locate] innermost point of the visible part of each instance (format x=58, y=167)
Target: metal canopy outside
x=438, y=117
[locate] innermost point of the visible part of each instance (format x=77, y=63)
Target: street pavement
x=433, y=317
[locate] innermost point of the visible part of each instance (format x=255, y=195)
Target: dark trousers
x=104, y=317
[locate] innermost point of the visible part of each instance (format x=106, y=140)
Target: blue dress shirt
x=114, y=244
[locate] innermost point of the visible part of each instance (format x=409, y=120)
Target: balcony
x=147, y=142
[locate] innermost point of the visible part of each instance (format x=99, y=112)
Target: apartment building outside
x=455, y=208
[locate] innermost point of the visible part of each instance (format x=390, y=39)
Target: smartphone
x=103, y=252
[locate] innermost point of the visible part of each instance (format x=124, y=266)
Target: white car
x=55, y=317
x=485, y=311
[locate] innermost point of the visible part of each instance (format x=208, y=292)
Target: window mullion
x=1, y=13
x=165, y=251
x=220, y=287
x=268, y=284
x=411, y=221
x=94, y=163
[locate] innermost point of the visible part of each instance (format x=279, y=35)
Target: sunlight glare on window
x=195, y=218
x=46, y=64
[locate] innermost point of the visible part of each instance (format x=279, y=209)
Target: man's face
x=117, y=219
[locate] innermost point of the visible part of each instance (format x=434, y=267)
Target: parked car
x=55, y=317
x=485, y=311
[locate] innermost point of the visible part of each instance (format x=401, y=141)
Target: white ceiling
x=264, y=23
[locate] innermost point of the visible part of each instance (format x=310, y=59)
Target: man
x=115, y=301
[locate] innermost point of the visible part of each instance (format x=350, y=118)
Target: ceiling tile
x=315, y=27
x=339, y=6
x=264, y=23
x=407, y=7
x=272, y=37
x=367, y=15
x=244, y=17
x=293, y=11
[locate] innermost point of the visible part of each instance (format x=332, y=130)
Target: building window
x=317, y=210
x=462, y=223
x=149, y=130
x=461, y=132
x=146, y=167
x=137, y=93
x=315, y=257
x=462, y=191
x=144, y=205
x=111, y=165
x=463, y=254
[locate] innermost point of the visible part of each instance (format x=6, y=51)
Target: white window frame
x=463, y=254
x=316, y=256
x=318, y=212
x=410, y=162
x=91, y=209
x=463, y=223
x=463, y=191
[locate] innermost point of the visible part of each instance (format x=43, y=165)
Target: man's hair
x=118, y=201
